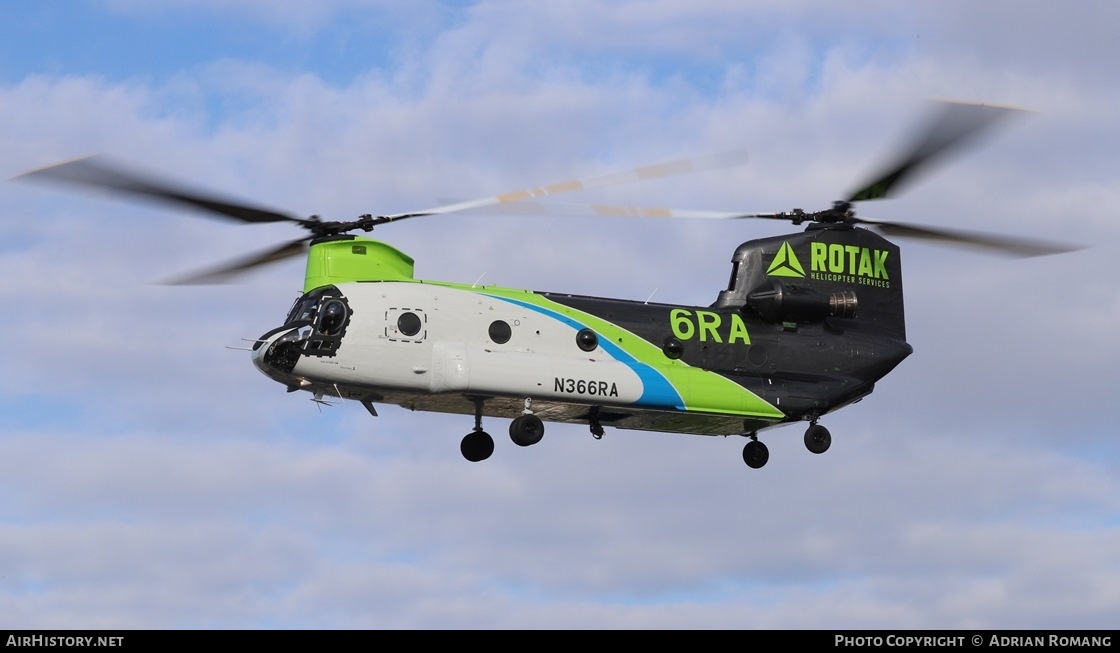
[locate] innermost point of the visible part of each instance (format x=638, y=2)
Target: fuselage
x=456, y=348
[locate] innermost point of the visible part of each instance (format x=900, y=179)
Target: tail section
x=826, y=271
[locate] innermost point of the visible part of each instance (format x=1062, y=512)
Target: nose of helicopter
x=276, y=353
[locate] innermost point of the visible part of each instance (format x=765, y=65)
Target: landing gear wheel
x=755, y=454
x=817, y=439
x=526, y=430
x=477, y=446
x=597, y=431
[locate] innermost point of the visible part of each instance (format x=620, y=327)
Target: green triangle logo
x=785, y=264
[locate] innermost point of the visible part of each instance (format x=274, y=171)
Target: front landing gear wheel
x=817, y=439
x=526, y=430
x=755, y=454
x=477, y=446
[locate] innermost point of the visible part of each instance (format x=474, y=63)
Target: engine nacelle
x=779, y=302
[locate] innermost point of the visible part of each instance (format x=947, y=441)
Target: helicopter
x=808, y=322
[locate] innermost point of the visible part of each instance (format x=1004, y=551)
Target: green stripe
x=701, y=390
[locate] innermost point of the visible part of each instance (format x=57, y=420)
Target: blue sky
x=133, y=40
x=152, y=478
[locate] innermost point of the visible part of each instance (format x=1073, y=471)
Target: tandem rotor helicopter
x=808, y=323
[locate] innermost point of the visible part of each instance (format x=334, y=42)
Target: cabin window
x=587, y=340
x=409, y=324
x=672, y=348
x=500, y=332
x=734, y=275
x=404, y=324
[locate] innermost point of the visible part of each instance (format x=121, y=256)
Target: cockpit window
x=303, y=310
x=307, y=306
x=323, y=315
x=332, y=317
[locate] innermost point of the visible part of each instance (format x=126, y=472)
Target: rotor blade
x=953, y=124
x=224, y=273
x=97, y=173
x=575, y=210
x=719, y=160
x=571, y=209
x=1009, y=246
x=1021, y=247
x=618, y=211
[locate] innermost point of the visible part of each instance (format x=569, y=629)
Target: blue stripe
x=657, y=392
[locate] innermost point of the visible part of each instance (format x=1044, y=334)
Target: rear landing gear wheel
x=526, y=430
x=477, y=446
x=755, y=454
x=817, y=439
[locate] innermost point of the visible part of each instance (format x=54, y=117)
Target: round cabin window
x=500, y=332
x=409, y=324
x=587, y=340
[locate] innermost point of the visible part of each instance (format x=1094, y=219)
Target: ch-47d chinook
x=808, y=323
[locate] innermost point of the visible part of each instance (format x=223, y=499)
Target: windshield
x=303, y=310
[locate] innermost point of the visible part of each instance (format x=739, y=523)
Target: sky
x=151, y=477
